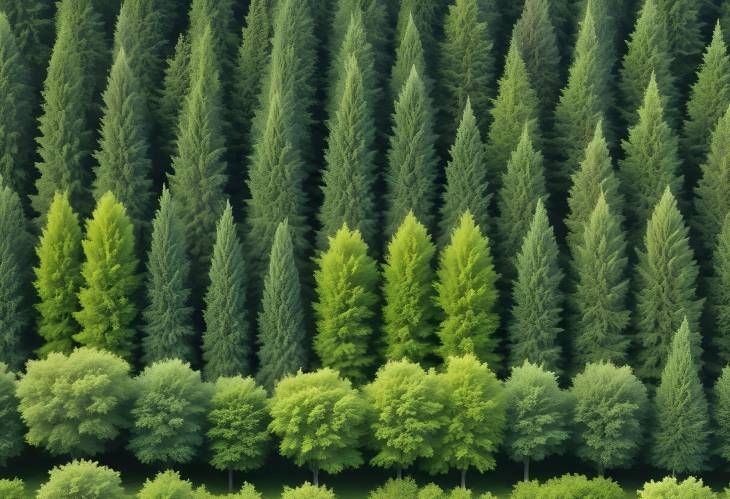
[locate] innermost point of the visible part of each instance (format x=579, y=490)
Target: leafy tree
x=110, y=280
x=611, y=407
x=11, y=436
x=238, y=426
x=409, y=311
x=408, y=54
x=669, y=486
x=82, y=479
x=721, y=413
x=281, y=320
x=467, y=295
x=33, y=27
x=537, y=298
x=346, y=280
x=54, y=399
x=665, y=281
x=167, y=484
x=175, y=87
x=719, y=295
x=320, y=419
x=682, y=433
x=537, y=415
x=307, y=491
x=682, y=23
x=169, y=413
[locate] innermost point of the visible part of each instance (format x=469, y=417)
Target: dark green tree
x=11, y=435
x=681, y=21
x=408, y=54
x=32, y=23
x=218, y=15
x=427, y=18
x=721, y=413
x=175, y=86
x=719, y=295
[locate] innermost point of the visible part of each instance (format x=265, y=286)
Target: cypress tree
x=409, y=311
x=408, y=54
x=110, y=281
x=426, y=15
x=226, y=338
x=168, y=328
x=467, y=295
x=175, y=86
x=346, y=280
x=719, y=295
x=216, y=15
x=412, y=159
x=537, y=298
x=665, y=281
x=58, y=277
x=600, y=314
x=682, y=432
x=604, y=14
x=32, y=24
x=282, y=329
x=681, y=21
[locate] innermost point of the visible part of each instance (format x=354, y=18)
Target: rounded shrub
x=82, y=480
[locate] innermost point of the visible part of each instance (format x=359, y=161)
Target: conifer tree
x=32, y=24
x=168, y=327
x=666, y=276
x=408, y=312
x=682, y=433
x=408, y=54
x=681, y=21
x=426, y=15
x=110, y=281
x=175, y=86
x=412, y=159
x=537, y=298
x=218, y=16
x=719, y=295
x=226, y=338
x=604, y=13
x=282, y=328
x=721, y=413
x=346, y=281
x=58, y=277
x=651, y=161
x=467, y=295
x=124, y=165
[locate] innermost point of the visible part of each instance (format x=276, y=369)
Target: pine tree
x=719, y=295
x=32, y=24
x=226, y=338
x=282, y=329
x=412, y=159
x=175, y=86
x=408, y=54
x=426, y=15
x=682, y=434
x=681, y=21
x=110, y=281
x=346, y=280
x=409, y=311
x=666, y=276
x=538, y=300
x=58, y=277
x=600, y=314
x=604, y=13
x=218, y=16
x=168, y=327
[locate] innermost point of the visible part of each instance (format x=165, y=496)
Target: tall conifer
x=681, y=21
x=175, y=86
x=408, y=54
x=719, y=295
x=32, y=24
x=426, y=15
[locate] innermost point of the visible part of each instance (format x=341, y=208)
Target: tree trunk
x=230, y=481
x=315, y=476
x=463, y=478
x=399, y=473
x=526, y=476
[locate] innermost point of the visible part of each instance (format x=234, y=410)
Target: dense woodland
x=435, y=235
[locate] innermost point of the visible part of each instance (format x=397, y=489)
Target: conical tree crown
x=409, y=54
x=719, y=296
x=175, y=87
x=377, y=26
x=682, y=23
x=426, y=16
x=32, y=24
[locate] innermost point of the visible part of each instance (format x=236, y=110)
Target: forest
x=383, y=249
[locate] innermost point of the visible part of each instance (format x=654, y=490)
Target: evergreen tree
x=226, y=337
x=538, y=300
x=218, y=16
x=58, y=277
x=110, y=281
x=426, y=15
x=682, y=433
x=604, y=13
x=600, y=314
x=32, y=24
x=681, y=21
x=412, y=169
x=721, y=413
x=408, y=54
x=175, y=86
x=467, y=295
x=168, y=328
x=409, y=312
x=665, y=281
x=346, y=279
x=282, y=341
x=719, y=295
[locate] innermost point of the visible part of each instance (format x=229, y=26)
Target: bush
x=460, y=493
x=569, y=487
x=248, y=491
x=405, y=488
x=669, y=488
x=431, y=491
x=308, y=491
x=82, y=480
x=12, y=489
x=167, y=485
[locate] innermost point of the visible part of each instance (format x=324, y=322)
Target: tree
x=282, y=330
x=682, y=23
x=408, y=54
x=721, y=413
x=409, y=311
x=168, y=327
x=11, y=436
x=611, y=407
x=682, y=432
x=169, y=413
x=669, y=486
x=467, y=295
x=320, y=419
x=346, y=280
x=238, y=426
x=110, y=280
x=81, y=478
x=537, y=298
x=175, y=86
x=226, y=337
x=54, y=399
x=412, y=162
x=33, y=27
x=537, y=415
x=408, y=412
x=427, y=15
x=665, y=281
x=719, y=295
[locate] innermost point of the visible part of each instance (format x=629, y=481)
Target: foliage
x=12, y=489
x=167, y=484
x=719, y=299
x=307, y=491
x=721, y=414
x=404, y=488
x=669, y=487
x=82, y=480
x=569, y=487
x=11, y=435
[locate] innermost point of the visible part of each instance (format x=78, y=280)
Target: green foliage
x=33, y=27
x=719, y=296
x=569, y=487
x=427, y=16
x=169, y=413
x=403, y=488
x=307, y=491
x=430, y=491
x=681, y=21
x=721, y=414
x=175, y=86
x=11, y=435
x=467, y=295
x=12, y=489
x=54, y=399
x=167, y=485
x=82, y=480
x=408, y=55
x=670, y=488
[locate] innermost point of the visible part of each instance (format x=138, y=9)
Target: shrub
x=670, y=488
x=431, y=491
x=308, y=491
x=405, y=488
x=12, y=489
x=248, y=491
x=167, y=485
x=82, y=480
x=569, y=487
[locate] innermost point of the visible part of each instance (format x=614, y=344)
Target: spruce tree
x=426, y=15
x=666, y=276
x=58, y=277
x=409, y=311
x=682, y=433
x=175, y=86
x=467, y=295
x=32, y=24
x=412, y=168
x=168, y=328
x=218, y=16
x=681, y=21
x=721, y=413
x=408, y=54
x=346, y=281
x=719, y=295
x=282, y=328
x=110, y=281
x=604, y=13
x=537, y=298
